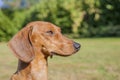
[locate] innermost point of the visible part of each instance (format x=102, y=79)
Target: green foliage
x=102, y=19
x=10, y=24
x=79, y=18
x=6, y=27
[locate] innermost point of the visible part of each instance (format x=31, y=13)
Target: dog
x=34, y=44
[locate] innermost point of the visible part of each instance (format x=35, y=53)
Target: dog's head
x=44, y=36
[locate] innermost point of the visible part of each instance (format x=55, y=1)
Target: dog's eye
x=50, y=32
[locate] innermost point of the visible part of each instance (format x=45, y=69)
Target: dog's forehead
x=47, y=26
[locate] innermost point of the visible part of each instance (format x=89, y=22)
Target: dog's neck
x=35, y=70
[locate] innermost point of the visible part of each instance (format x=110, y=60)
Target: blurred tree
x=101, y=18
x=81, y=18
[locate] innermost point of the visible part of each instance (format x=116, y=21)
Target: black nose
x=77, y=45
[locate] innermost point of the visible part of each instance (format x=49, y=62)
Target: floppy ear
x=21, y=45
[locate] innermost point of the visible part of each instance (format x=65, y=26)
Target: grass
x=98, y=59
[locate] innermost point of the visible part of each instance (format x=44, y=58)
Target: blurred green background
x=93, y=23
x=78, y=18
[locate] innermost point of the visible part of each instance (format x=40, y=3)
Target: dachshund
x=33, y=44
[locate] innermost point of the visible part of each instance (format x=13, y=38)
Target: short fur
x=33, y=44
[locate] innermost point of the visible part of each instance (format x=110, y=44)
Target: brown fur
x=32, y=46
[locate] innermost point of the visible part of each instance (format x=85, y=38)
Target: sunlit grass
x=98, y=59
